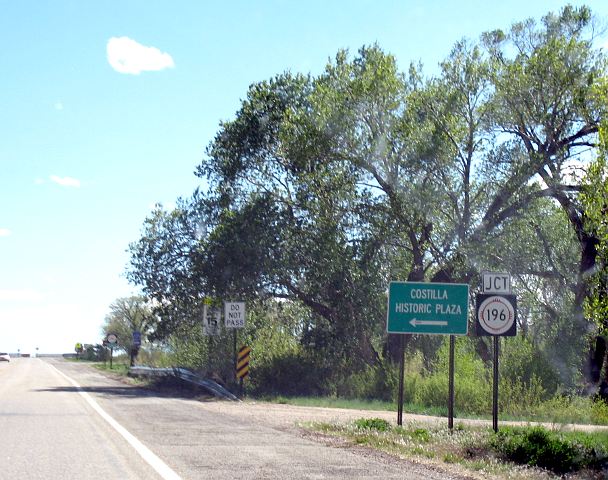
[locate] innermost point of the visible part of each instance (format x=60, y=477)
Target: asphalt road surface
x=63, y=420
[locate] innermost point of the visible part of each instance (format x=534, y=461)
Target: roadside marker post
x=112, y=340
x=242, y=364
x=235, y=314
x=496, y=316
x=428, y=308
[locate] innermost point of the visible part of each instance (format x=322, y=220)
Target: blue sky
x=107, y=107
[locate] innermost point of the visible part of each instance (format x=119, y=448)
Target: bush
x=523, y=363
x=292, y=374
x=377, y=424
x=529, y=395
x=541, y=448
x=372, y=383
x=472, y=391
x=599, y=412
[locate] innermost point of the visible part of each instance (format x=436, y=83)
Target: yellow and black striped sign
x=242, y=362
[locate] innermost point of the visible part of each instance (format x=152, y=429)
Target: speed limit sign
x=496, y=315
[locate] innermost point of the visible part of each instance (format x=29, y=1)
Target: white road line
x=156, y=463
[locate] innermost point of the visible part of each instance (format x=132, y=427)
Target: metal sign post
x=496, y=316
x=242, y=365
x=495, y=385
x=234, y=318
x=451, y=384
x=401, y=375
x=112, y=340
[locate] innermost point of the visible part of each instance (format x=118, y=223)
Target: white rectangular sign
x=212, y=317
x=234, y=314
x=495, y=282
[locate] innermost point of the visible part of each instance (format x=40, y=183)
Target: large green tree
x=323, y=189
x=128, y=315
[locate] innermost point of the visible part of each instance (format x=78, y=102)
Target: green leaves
x=322, y=189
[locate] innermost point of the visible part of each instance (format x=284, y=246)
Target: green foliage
x=583, y=455
x=599, y=412
x=93, y=353
x=563, y=410
x=551, y=450
x=472, y=388
x=595, y=201
x=323, y=189
x=377, y=424
x=289, y=374
x=128, y=315
x=526, y=366
x=377, y=382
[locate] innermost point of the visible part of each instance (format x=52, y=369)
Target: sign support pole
x=401, y=380
x=495, y=385
x=451, y=384
x=234, y=350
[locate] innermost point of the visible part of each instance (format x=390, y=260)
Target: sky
x=106, y=109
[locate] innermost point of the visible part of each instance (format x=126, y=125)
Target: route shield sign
x=496, y=315
x=430, y=308
x=211, y=320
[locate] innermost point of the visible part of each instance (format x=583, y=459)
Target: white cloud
x=127, y=56
x=5, y=232
x=65, y=181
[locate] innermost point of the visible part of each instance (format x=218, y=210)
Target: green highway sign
x=431, y=308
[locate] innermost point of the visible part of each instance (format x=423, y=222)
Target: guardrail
x=187, y=376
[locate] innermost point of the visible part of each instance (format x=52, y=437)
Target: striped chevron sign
x=242, y=362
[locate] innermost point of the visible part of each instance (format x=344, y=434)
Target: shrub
x=522, y=362
x=528, y=395
x=541, y=448
x=372, y=383
x=291, y=374
x=377, y=424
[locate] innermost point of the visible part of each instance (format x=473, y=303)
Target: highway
x=61, y=420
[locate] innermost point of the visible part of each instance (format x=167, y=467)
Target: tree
x=546, y=101
x=594, y=199
x=288, y=226
x=323, y=189
x=165, y=263
x=128, y=315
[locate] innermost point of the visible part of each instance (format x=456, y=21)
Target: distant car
x=5, y=357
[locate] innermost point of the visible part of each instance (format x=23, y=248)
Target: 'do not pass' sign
x=234, y=314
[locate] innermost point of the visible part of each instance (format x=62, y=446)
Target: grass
x=354, y=404
x=117, y=367
x=514, y=453
x=558, y=410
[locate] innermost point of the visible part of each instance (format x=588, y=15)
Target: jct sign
x=495, y=282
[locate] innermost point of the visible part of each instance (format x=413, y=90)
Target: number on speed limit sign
x=496, y=315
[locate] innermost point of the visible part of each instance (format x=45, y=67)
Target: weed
x=373, y=424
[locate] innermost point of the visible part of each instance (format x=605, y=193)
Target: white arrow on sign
x=438, y=323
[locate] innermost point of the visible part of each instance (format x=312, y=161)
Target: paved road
x=52, y=426
x=49, y=432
